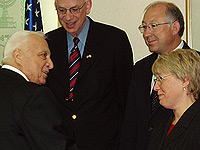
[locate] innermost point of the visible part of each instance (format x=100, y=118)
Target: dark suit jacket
x=184, y=136
x=101, y=90
x=139, y=120
x=29, y=116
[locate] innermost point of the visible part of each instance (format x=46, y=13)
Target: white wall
x=49, y=15
x=125, y=14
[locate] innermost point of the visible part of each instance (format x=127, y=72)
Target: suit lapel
x=183, y=124
x=91, y=50
x=60, y=59
x=165, y=131
x=176, y=132
x=159, y=136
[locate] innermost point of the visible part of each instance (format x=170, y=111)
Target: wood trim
x=188, y=23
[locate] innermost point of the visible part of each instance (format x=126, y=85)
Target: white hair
x=16, y=41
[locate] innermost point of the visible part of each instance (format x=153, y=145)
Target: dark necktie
x=154, y=100
x=74, y=66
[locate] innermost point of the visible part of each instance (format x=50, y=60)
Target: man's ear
x=17, y=56
x=175, y=27
x=88, y=6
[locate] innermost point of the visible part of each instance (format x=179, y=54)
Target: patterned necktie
x=154, y=100
x=74, y=66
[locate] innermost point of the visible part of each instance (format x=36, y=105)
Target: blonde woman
x=178, y=85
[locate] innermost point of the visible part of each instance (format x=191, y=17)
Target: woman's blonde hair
x=183, y=63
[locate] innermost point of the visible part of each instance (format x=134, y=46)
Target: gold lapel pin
x=89, y=56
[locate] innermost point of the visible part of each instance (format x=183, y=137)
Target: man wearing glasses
x=92, y=70
x=162, y=28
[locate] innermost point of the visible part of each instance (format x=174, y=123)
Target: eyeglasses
x=160, y=79
x=151, y=26
x=62, y=10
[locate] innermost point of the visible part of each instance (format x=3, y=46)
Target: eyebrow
x=76, y=6
x=47, y=51
x=152, y=21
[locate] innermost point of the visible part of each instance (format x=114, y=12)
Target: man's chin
x=153, y=50
x=42, y=82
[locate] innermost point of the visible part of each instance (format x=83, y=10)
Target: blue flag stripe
x=33, y=18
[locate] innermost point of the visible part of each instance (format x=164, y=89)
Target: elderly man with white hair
x=29, y=113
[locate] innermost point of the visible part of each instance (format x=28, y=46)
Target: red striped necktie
x=74, y=66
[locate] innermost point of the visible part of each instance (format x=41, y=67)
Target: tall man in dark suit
x=101, y=88
x=162, y=28
x=29, y=112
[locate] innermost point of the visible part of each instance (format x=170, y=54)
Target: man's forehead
x=69, y=3
x=156, y=9
x=153, y=16
x=39, y=46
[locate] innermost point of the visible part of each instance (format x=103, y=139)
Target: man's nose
x=68, y=15
x=147, y=32
x=50, y=64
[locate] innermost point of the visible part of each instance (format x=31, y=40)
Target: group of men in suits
x=93, y=118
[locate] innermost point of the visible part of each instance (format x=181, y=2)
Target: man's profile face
x=36, y=60
x=159, y=39
x=73, y=23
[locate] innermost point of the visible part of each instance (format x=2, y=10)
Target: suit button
x=150, y=129
x=74, y=117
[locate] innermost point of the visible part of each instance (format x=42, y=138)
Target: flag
x=33, y=18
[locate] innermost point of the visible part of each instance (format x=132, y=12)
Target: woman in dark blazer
x=178, y=86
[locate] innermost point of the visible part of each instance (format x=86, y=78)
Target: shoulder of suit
x=107, y=28
x=146, y=60
x=57, y=31
x=28, y=86
x=26, y=90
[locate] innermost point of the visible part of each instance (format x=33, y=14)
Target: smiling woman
x=178, y=86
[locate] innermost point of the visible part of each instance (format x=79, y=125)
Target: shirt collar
x=15, y=70
x=180, y=46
